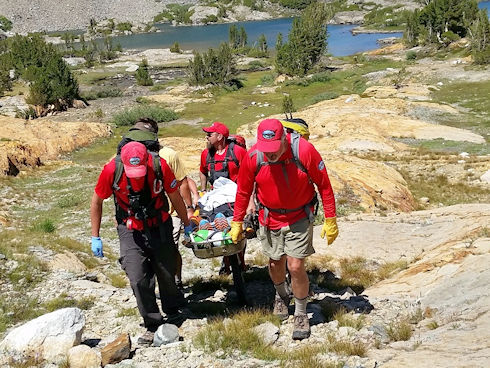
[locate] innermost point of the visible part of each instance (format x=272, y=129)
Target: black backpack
x=229, y=156
x=150, y=140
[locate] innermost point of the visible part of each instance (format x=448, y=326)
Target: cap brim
x=135, y=171
x=269, y=146
x=209, y=130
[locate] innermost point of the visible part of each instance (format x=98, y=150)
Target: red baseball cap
x=218, y=127
x=269, y=135
x=134, y=157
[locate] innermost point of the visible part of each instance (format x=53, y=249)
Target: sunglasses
x=210, y=134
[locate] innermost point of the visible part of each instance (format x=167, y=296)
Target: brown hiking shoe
x=281, y=308
x=301, y=327
x=146, y=339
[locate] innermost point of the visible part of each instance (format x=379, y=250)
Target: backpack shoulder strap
x=157, y=167
x=117, y=173
x=231, y=153
x=295, y=138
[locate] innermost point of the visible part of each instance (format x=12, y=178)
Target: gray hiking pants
x=142, y=259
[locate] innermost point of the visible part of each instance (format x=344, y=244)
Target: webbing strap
x=310, y=214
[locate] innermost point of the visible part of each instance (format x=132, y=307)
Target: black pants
x=142, y=259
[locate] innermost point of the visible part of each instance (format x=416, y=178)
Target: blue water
x=341, y=42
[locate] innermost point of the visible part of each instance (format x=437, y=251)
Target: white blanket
x=224, y=191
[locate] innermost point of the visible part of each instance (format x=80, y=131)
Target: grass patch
x=127, y=312
x=216, y=282
x=104, y=92
x=444, y=146
x=349, y=319
x=235, y=334
x=389, y=268
x=439, y=190
x=302, y=93
x=70, y=201
x=130, y=116
x=399, y=330
x=94, y=77
x=345, y=347
x=432, y=325
x=118, y=280
x=64, y=301
x=19, y=309
x=44, y=226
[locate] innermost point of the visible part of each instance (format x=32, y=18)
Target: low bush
x=102, y=93
x=131, y=116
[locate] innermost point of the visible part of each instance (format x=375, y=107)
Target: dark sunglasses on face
x=209, y=134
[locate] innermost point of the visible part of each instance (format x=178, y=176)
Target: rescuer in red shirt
x=287, y=198
x=147, y=247
x=221, y=158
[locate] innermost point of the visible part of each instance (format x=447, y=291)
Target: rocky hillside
x=29, y=16
x=49, y=15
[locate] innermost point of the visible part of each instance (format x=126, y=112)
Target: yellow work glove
x=236, y=231
x=330, y=229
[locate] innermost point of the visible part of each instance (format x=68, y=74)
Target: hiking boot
x=176, y=319
x=179, y=285
x=146, y=339
x=281, y=308
x=301, y=327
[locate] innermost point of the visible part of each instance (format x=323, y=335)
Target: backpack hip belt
x=308, y=212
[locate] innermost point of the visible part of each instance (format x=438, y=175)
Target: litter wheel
x=236, y=269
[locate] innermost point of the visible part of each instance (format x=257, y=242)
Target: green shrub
x=124, y=26
x=411, y=55
x=324, y=96
x=5, y=24
x=295, y=4
x=175, y=48
x=255, y=65
x=211, y=18
x=213, y=67
x=51, y=81
x=143, y=77
x=131, y=116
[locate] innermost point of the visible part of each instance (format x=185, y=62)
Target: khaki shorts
x=295, y=240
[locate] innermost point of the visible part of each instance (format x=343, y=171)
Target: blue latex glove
x=97, y=246
x=188, y=230
x=187, y=233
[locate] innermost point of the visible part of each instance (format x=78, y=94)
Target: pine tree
x=306, y=41
x=481, y=39
x=142, y=75
x=233, y=36
x=242, y=36
x=262, y=44
x=288, y=106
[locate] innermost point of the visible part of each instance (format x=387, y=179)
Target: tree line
x=441, y=22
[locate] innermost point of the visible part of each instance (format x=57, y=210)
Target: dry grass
x=345, y=347
x=432, y=325
x=118, y=280
x=400, y=330
x=349, y=319
x=127, y=312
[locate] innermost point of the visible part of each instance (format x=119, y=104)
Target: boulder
x=166, y=334
x=485, y=177
x=49, y=336
x=268, y=332
x=82, y=356
x=117, y=350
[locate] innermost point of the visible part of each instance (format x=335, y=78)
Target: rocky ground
x=443, y=251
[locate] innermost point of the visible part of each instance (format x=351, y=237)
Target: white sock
x=300, y=306
x=282, y=290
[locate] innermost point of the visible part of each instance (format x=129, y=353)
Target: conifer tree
x=306, y=41
x=142, y=75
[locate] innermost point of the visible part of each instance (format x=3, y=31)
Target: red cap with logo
x=269, y=135
x=218, y=127
x=134, y=157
